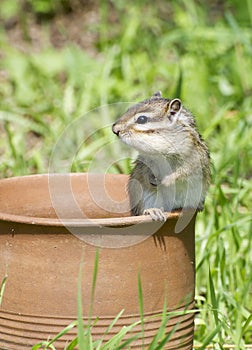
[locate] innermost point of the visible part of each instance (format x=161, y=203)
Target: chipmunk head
x=157, y=125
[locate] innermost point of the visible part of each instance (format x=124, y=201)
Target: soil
x=76, y=26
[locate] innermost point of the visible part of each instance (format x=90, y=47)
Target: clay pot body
x=50, y=225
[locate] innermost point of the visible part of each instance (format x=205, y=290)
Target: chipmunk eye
x=142, y=119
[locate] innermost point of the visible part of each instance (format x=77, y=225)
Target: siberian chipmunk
x=172, y=170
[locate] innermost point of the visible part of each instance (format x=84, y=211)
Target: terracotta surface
x=42, y=255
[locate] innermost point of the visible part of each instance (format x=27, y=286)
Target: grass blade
x=166, y=338
x=115, y=341
x=63, y=332
x=141, y=306
x=95, y=273
x=215, y=305
x=3, y=285
x=213, y=299
x=211, y=336
x=73, y=344
x=178, y=88
x=161, y=332
x=247, y=324
x=114, y=322
x=85, y=337
x=127, y=342
x=80, y=328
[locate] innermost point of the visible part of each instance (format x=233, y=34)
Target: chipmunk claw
x=156, y=214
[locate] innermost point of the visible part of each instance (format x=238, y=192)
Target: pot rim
x=89, y=222
x=108, y=222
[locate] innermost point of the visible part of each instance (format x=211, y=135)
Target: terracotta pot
x=49, y=224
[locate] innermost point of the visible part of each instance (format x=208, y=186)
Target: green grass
x=185, y=50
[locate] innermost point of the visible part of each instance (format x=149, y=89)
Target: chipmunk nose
x=116, y=129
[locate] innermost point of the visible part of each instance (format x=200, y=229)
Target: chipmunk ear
x=157, y=94
x=174, y=106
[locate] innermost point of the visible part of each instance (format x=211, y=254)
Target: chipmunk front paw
x=156, y=214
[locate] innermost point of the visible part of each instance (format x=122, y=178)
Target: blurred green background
x=61, y=59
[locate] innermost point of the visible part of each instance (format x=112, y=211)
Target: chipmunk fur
x=172, y=169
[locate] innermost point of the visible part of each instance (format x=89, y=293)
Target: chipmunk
x=172, y=170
